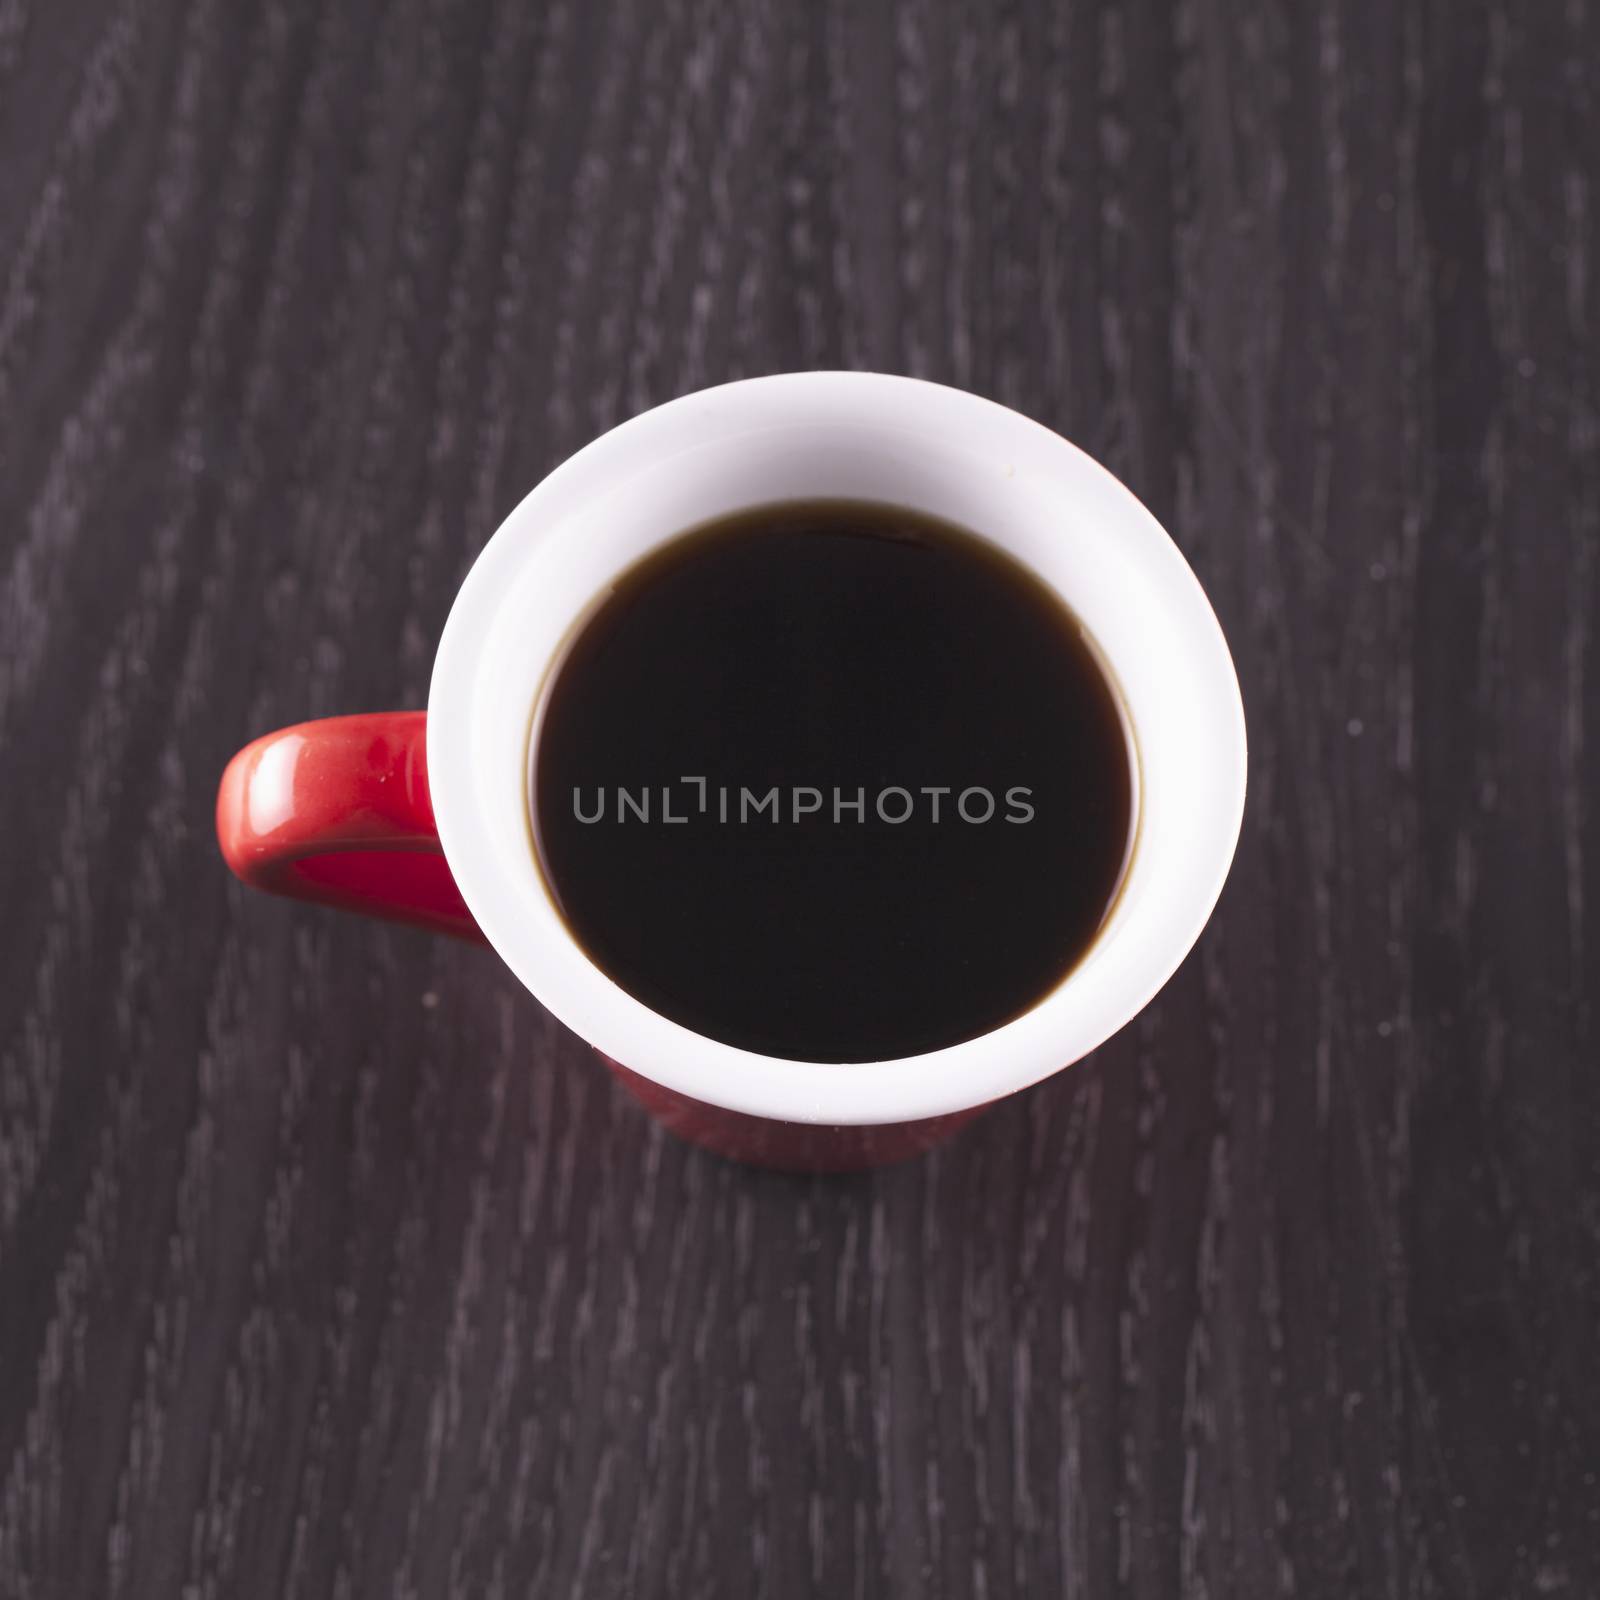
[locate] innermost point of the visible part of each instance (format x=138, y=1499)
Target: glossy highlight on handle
x=338, y=812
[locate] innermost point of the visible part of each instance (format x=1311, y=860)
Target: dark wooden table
x=331, y=1266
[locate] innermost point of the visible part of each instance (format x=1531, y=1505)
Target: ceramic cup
x=423, y=816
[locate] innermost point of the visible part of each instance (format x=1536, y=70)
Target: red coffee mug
x=422, y=817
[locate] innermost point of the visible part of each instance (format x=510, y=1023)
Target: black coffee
x=834, y=782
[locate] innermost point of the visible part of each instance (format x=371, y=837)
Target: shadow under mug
x=421, y=816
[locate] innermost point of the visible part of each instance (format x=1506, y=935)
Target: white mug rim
x=468, y=774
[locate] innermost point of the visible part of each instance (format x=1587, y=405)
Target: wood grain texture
x=331, y=1266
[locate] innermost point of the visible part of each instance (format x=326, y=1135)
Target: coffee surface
x=832, y=781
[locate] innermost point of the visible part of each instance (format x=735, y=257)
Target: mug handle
x=338, y=812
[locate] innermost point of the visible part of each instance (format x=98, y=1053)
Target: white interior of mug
x=862, y=436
